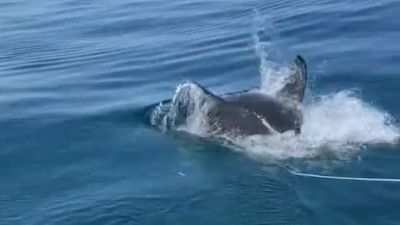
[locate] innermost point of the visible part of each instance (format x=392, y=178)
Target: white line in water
x=343, y=178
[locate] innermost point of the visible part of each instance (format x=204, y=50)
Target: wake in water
x=340, y=123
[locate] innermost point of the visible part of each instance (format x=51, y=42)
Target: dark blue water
x=76, y=77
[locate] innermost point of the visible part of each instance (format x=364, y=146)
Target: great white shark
x=245, y=112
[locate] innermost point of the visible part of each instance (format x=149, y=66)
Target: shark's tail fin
x=296, y=83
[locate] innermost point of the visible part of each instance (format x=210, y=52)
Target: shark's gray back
x=281, y=113
x=278, y=113
x=246, y=113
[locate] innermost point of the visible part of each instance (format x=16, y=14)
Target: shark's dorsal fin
x=296, y=83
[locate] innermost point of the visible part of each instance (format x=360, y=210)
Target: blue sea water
x=76, y=78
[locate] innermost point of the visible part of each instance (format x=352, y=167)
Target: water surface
x=76, y=77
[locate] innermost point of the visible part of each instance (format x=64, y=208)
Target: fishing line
x=319, y=176
x=371, y=179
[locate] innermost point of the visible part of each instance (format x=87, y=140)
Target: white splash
x=273, y=75
x=340, y=123
x=189, y=94
x=186, y=112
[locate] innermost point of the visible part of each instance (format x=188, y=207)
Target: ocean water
x=77, y=79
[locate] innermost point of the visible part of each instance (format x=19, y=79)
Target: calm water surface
x=76, y=76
